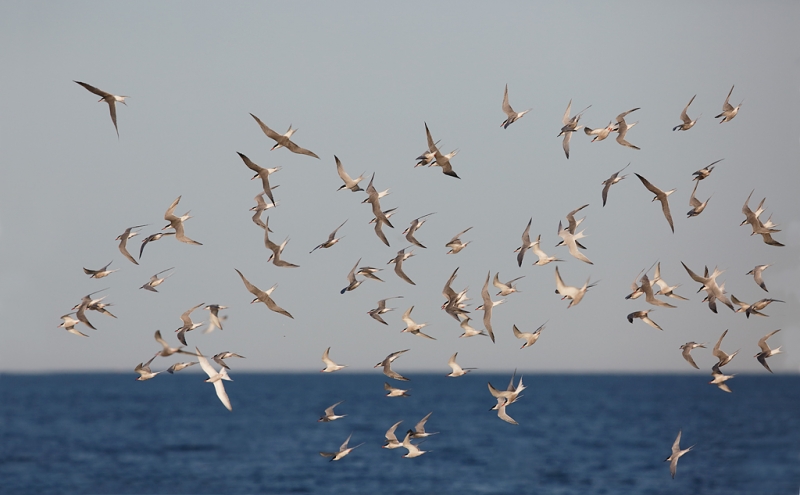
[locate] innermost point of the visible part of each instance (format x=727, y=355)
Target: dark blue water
x=107, y=433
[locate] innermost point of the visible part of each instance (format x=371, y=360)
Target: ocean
x=577, y=434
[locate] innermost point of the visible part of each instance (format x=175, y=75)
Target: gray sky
x=359, y=80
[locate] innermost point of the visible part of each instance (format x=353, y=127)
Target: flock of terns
x=455, y=303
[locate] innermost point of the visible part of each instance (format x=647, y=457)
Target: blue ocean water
x=577, y=434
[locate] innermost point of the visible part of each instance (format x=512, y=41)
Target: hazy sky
x=359, y=80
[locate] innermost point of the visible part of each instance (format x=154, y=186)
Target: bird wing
x=398, y=269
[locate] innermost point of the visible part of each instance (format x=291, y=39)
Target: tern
x=80, y=309
x=277, y=249
x=601, y=133
x=152, y=238
x=676, y=454
x=69, y=325
x=413, y=450
x=622, y=129
x=697, y=206
x=711, y=287
x=329, y=415
x=262, y=173
x=213, y=319
x=543, y=257
x=100, y=307
x=686, y=352
x=219, y=358
x=168, y=350
x=530, y=338
x=332, y=239
x=719, y=378
x=756, y=273
x=457, y=370
x=526, y=243
x=283, y=140
x=720, y=354
x=441, y=160
x=743, y=306
x=215, y=378
x=766, y=352
x=419, y=429
x=664, y=288
x=188, y=324
x=642, y=315
x=394, y=392
x=508, y=396
x=453, y=301
x=488, y=306
x=398, y=265
x=386, y=364
x=574, y=294
x=759, y=305
x=511, y=115
x=112, y=101
x=179, y=366
x=391, y=438
x=330, y=366
x=351, y=279
x=100, y=273
x=611, y=181
x=412, y=327
x=728, y=111
x=412, y=229
x=263, y=296
x=647, y=288
x=570, y=126
x=505, y=288
x=468, y=330
x=369, y=272
x=571, y=241
x=343, y=450
x=662, y=197
x=177, y=224
x=260, y=207
x=455, y=243
x=381, y=309
x=349, y=183
x=687, y=122
x=758, y=227
x=155, y=281
x=705, y=171
x=123, y=242
x=144, y=370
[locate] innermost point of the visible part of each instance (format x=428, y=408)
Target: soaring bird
x=611, y=181
x=574, y=294
x=263, y=296
x=676, y=454
x=570, y=126
x=177, y=223
x=441, y=160
x=728, y=111
x=687, y=122
x=262, y=173
x=283, y=140
x=343, y=450
x=111, y=100
x=766, y=352
x=622, y=129
x=662, y=197
x=123, y=242
x=349, y=183
x=511, y=115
